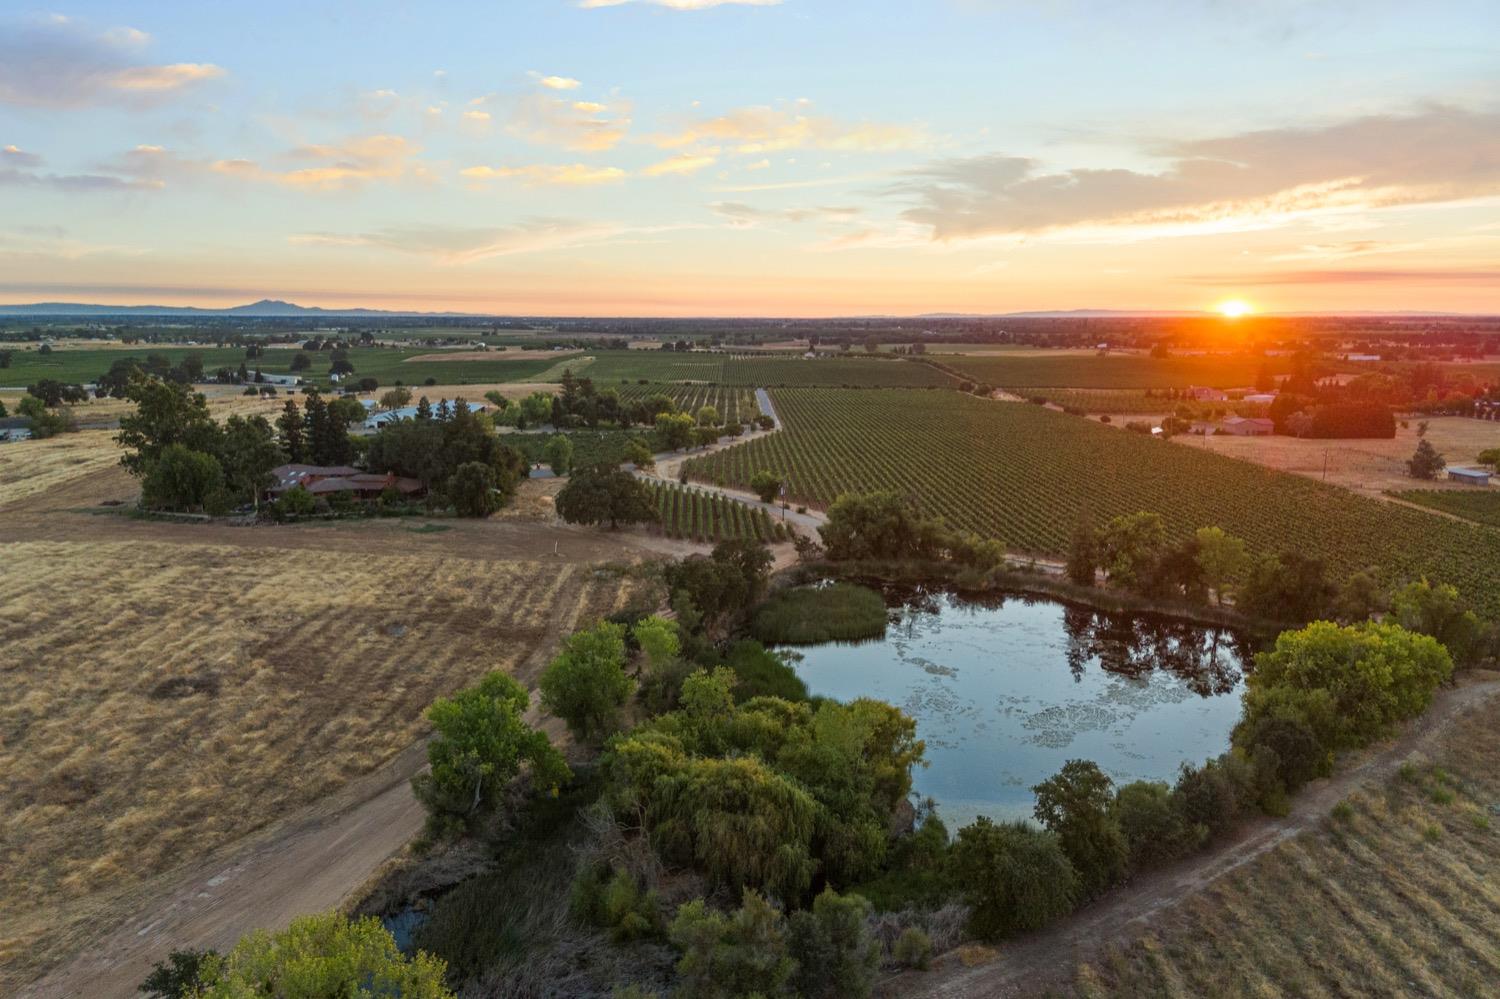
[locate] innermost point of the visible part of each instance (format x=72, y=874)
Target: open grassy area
x=806, y=615
x=1397, y=895
x=128, y=748
x=1027, y=475
x=168, y=688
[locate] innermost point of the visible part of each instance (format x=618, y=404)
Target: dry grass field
x=167, y=688
x=1398, y=894
x=1365, y=466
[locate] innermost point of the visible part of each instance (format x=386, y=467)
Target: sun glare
x=1234, y=308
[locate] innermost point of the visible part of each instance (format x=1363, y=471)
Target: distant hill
x=265, y=308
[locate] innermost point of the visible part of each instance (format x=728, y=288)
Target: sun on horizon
x=1234, y=308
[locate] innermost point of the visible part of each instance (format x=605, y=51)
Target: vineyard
x=734, y=404
x=615, y=368
x=1482, y=507
x=590, y=447
x=1027, y=475
x=1114, y=371
x=691, y=513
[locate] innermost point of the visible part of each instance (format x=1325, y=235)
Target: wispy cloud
x=19, y=168
x=1374, y=275
x=60, y=62
x=1439, y=154
x=582, y=126
x=557, y=82
x=763, y=129
x=741, y=215
x=682, y=163
x=351, y=163
x=564, y=175
x=465, y=245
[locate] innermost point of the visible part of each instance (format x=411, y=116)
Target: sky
x=753, y=157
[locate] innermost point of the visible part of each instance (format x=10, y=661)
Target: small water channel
x=1006, y=689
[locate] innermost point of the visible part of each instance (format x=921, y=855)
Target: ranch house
x=324, y=480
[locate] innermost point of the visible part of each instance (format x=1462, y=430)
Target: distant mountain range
x=273, y=308
x=267, y=308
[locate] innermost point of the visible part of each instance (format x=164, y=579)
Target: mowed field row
x=1397, y=895
x=1116, y=371
x=1027, y=475
x=128, y=747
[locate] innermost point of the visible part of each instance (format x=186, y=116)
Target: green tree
x=675, y=430
x=1425, y=462
x=166, y=413
x=395, y=398
x=1083, y=554
x=585, y=685
x=1490, y=457
x=289, y=429
x=480, y=745
x=471, y=489
x=1131, y=546
x=708, y=416
x=248, y=453
x=638, y=453
x=1347, y=684
x=182, y=479
x=1075, y=804
x=658, y=639
x=766, y=485
x=1222, y=559
x=1015, y=877
x=322, y=956
x=836, y=954
x=603, y=495
x=1439, y=611
x=559, y=454
x=742, y=955
x=300, y=362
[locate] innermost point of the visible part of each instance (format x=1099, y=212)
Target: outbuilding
x=1469, y=476
x=1241, y=426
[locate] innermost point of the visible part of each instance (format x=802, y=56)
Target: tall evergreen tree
x=289, y=426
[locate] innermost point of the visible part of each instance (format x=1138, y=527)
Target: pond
x=1007, y=689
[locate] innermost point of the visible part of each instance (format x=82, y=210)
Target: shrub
x=610, y=899
x=731, y=956
x=327, y=955
x=836, y=954
x=1015, y=877
x=1153, y=825
x=295, y=502
x=182, y=479
x=913, y=949
x=1213, y=796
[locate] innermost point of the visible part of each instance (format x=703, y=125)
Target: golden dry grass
x=1397, y=895
x=30, y=468
x=166, y=689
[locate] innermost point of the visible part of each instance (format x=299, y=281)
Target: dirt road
x=1029, y=965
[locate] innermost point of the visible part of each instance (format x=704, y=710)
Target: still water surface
x=1006, y=690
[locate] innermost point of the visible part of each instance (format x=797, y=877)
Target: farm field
x=1479, y=505
x=1395, y=898
x=1127, y=402
x=690, y=513
x=298, y=660
x=1369, y=467
x=1027, y=475
x=1114, y=371
x=735, y=404
x=759, y=371
x=590, y=447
